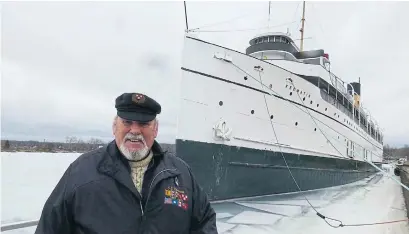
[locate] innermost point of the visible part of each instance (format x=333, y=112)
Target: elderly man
x=130, y=185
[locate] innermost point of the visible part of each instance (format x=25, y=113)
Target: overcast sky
x=64, y=63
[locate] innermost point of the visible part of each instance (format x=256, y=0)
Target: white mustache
x=130, y=136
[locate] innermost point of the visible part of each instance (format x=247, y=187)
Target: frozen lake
x=28, y=178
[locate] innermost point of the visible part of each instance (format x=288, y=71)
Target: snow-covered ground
x=28, y=178
x=377, y=199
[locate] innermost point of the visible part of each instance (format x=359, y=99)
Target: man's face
x=134, y=139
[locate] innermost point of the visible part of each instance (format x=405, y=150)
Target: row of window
x=344, y=109
x=272, y=39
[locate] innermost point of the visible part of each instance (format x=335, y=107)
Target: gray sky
x=64, y=63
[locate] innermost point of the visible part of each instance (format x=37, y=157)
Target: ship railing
x=341, y=86
x=337, y=83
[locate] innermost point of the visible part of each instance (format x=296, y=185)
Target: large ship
x=252, y=123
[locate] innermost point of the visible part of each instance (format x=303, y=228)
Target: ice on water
x=28, y=179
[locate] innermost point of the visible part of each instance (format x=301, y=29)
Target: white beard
x=134, y=155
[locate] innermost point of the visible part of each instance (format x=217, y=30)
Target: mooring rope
x=325, y=218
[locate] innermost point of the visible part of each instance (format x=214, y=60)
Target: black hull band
x=227, y=172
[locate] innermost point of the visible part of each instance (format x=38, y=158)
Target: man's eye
x=144, y=124
x=126, y=122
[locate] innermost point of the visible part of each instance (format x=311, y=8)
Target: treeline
x=394, y=152
x=71, y=145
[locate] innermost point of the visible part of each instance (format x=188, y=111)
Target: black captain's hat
x=137, y=107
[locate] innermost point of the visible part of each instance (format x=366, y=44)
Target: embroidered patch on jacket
x=176, y=197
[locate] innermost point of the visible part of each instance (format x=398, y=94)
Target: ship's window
x=245, y=78
x=272, y=116
x=265, y=39
x=221, y=103
x=311, y=102
x=298, y=90
x=252, y=111
x=326, y=109
x=291, y=93
x=271, y=86
x=315, y=129
x=303, y=99
x=318, y=105
x=282, y=39
x=296, y=123
x=309, y=95
x=286, y=85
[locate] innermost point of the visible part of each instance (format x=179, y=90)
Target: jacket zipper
x=149, y=194
x=140, y=203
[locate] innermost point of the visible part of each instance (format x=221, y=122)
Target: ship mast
x=302, y=27
x=187, y=26
x=269, y=7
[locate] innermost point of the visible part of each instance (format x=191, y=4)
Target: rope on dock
x=18, y=225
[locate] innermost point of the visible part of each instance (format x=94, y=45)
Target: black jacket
x=96, y=195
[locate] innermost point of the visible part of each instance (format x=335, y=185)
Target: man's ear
x=114, y=125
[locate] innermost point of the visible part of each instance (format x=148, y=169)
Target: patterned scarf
x=138, y=170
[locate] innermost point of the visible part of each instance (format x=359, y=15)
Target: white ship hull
x=266, y=117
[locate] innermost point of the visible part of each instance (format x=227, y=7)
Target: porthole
x=294, y=89
x=335, y=114
x=271, y=86
x=298, y=90
x=326, y=109
x=311, y=102
x=296, y=123
x=272, y=116
x=286, y=85
x=252, y=111
x=303, y=99
x=291, y=93
x=245, y=78
x=338, y=137
x=315, y=129
x=290, y=87
x=318, y=105
x=338, y=116
x=220, y=103
x=309, y=95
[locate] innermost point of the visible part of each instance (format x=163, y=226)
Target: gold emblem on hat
x=138, y=98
